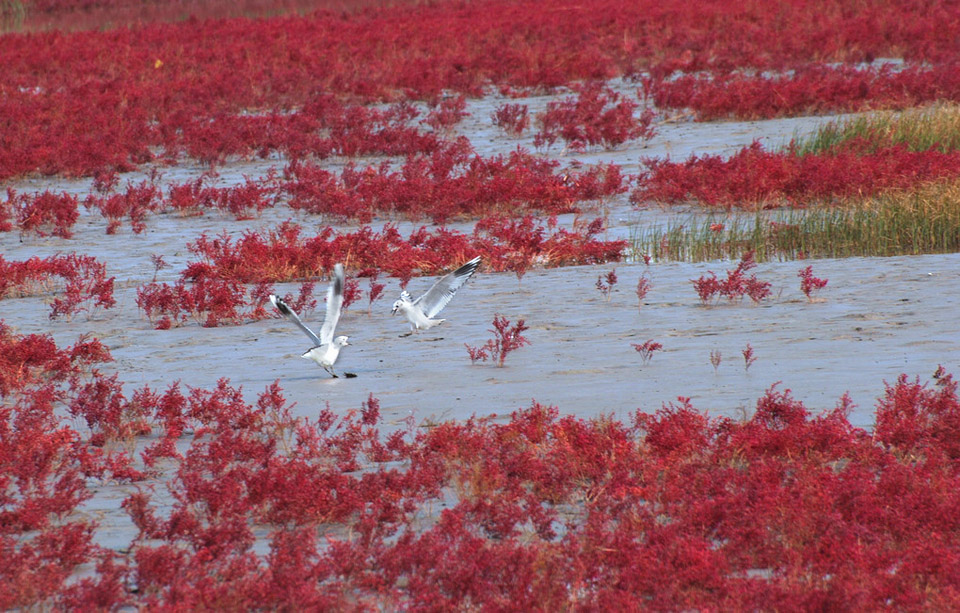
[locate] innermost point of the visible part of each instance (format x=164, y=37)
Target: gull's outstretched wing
x=334, y=303
x=289, y=314
x=443, y=290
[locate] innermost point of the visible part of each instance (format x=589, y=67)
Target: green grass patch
x=903, y=223
x=920, y=129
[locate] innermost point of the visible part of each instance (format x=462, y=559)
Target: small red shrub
x=505, y=340
x=597, y=116
x=735, y=285
x=512, y=118
x=810, y=284
x=646, y=350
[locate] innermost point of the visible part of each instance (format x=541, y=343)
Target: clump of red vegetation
x=42, y=214
x=605, y=283
x=786, y=508
x=78, y=282
x=809, y=90
x=135, y=203
x=47, y=469
x=284, y=254
x=448, y=112
x=810, y=284
x=513, y=119
x=212, y=301
x=451, y=182
x=596, y=116
x=710, y=288
x=505, y=339
x=116, y=99
x=756, y=178
x=646, y=349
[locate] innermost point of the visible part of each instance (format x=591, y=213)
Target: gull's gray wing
x=334, y=304
x=443, y=290
x=289, y=314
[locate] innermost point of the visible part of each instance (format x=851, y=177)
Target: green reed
x=920, y=129
x=923, y=221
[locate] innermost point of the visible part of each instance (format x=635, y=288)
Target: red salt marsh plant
x=375, y=288
x=596, y=116
x=76, y=282
x=34, y=360
x=506, y=339
x=735, y=286
x=448, y=113
x=814, y=89
x=643, y=288
x=755, y=178
x=135, y=203
x=512, y=118
x=452, y=182
x=211, y=301
x=350, y=514
x=284, y=254
x=646, y=349
x=605, y=283
x=711, y=494
x=154, y=92
x=748, y=357
x=43, y=214
x=810, y=285
x=47, y=469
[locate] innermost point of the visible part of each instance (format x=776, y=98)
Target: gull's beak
x=393, y=311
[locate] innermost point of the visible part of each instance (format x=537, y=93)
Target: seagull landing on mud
x=421, y=312
x=326, y=348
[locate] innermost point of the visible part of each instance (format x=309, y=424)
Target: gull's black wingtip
x=470, y=266
x=280, y=304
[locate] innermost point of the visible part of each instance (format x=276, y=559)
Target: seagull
x=325, y=348
x=420, y=312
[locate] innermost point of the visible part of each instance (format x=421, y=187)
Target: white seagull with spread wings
x=421, y=312
x=325, y=348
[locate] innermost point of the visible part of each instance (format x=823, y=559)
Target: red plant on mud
x=643, y=287
x=210, y=301
x=597, y=116
x=512, y=118
x=351, y=292
x=167, y=99
x=135, y=203
x=735, y=285
x=505, y=340
x=47, y=469
x=448, y=113
x=78, y=282
x=605, y=284
x=375, y=290
x=345, y=511
x=813, y=89
x=448, y=183
x=716, y=358
x=646, y=350
x=754, y=178
x=283, y=254
x=810, y=284
x=42, y=214
x=748, y=357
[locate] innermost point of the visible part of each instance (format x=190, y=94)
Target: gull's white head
x=340, y=341
x=403, y=301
